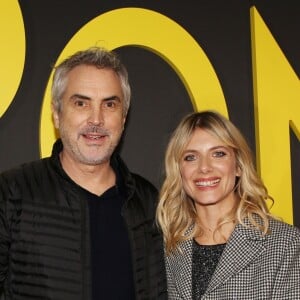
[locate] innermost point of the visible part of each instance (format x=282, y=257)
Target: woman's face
x=208, y=169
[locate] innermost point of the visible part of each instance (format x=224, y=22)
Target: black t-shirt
x=112, y=275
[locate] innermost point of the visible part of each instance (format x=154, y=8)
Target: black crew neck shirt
x=112, y=274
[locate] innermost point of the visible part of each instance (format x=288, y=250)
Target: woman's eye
x=189, y=157
x=219, y=154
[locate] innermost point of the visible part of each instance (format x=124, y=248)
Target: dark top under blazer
x=252, y=266
x=44, y=233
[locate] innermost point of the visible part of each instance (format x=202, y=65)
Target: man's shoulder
x=25, y=169
x=143, y=186
x=142, y=181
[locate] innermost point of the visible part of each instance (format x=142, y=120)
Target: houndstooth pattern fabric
x=252, y=266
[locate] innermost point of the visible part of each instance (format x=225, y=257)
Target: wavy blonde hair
x=176, y=214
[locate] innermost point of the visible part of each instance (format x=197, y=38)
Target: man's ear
x=55, y=116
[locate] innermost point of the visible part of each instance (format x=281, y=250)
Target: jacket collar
x=125, y=180
x=244, y=246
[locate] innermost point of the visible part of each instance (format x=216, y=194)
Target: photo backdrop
x=238, y=57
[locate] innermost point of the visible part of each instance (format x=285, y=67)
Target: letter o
x=12, y=51
x=154, y=32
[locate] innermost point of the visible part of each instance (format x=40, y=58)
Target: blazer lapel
x=181, y=271
x=244, y=246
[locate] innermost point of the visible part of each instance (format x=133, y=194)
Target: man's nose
x=96, y=116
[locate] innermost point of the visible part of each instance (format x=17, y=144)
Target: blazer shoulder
x=284, y=233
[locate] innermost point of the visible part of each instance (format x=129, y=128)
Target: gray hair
x=95, y=56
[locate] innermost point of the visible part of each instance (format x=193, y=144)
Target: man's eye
x=189, y=157
x=219, y=154
x=110, y=104
x=80, y=103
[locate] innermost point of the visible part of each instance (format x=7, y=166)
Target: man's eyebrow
x=112, y=98
x=83, y=97
x=79, y=96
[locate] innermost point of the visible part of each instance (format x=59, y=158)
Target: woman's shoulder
x=279, y=225
x=278, y=233
x=284, y=232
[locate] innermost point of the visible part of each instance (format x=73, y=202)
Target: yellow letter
x=157, y=33
x=277, y=106
x=12, y=51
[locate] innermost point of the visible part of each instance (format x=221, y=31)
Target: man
x=79, y=225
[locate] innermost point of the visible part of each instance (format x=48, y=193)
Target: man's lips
x=94, y=137
x=94, y=133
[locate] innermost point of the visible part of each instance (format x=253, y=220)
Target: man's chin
x=94, y=160
x=94, y=155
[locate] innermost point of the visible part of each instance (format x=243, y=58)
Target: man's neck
x=94, y=178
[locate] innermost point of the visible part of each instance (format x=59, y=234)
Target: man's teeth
x=94, y=137
x=207, y=183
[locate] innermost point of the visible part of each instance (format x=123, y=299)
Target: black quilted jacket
x=44, y=234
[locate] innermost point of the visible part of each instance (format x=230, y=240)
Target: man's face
x=91, y=119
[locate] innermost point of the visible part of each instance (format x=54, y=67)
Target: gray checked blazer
x=252, y=266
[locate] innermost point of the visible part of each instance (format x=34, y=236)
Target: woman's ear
x=238, y=172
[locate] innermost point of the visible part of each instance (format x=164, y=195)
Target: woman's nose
x=205, y=165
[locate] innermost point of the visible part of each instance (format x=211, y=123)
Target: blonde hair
x=176, y=214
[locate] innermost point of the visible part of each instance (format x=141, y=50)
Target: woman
x=220, y=240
